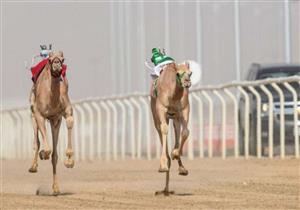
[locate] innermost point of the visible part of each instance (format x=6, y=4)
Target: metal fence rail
x=119, y=127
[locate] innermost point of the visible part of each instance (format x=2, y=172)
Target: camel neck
x=54, y=89
x=169, y=80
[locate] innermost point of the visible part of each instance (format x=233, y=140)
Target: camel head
x=56, y=60
x=184, y=74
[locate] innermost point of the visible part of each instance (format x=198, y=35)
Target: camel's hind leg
x=36, y=146
x=176, y=153
x=55, y=125
x=69, y=162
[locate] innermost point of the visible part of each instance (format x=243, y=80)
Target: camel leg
x=155, y=119
x=55, y=125
x=164, y=158
x=177, y=127
x=32, y=99
x=69, y=162
x=45, y=153
x=160, y=122
x=36, y=146
x=175, y=153
x=185, y=131
x=166, y=191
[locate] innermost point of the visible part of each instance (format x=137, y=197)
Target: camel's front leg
x=165, y=160
x=175, y=153
x=69, y=162
x=55, y=125
x=36, y=146
x=44, y=153
x=166, y=191
x=185, y=131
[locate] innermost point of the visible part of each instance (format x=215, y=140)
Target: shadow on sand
x=172, y=193
x=45, y=191
x=38, y=193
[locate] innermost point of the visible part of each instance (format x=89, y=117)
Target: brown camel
x=169, y=100
x=50, y=101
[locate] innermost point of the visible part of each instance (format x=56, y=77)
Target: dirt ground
x=131, y=184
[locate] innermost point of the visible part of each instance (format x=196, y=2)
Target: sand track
x=130, y=184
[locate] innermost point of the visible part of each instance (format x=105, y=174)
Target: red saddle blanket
x=37, y=69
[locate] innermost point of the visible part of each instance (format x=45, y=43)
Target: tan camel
x=169, y=100
x=50, y=101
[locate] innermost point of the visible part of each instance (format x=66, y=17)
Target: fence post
x=76, y=132
x=236, y=122
x=99, y=128
x=8, y=141
x=201, y=130
x=91, y=130
x=282, y=119
x=296, y=132
x=191, y=136
x=247, y=127
x=29, y=133
x=145, y=101
x=82, y=130
x=139, y=128
x=24, y=133
x=211, y=121
x=115, y=128
x=123, y=128
x=271, y=109
x=258, y=120
x=108, y=129
x=18, y=133
x=223, y=122
x=132, y=125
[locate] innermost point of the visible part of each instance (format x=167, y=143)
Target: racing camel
x=169, y=100
x=50, y=101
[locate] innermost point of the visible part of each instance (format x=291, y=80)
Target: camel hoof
x=163, y=169
x=33, y=169
x=55, y=189
x=164, y=192
x=183, y=171
x=69, y=163
x=175, y=154
x=45, y=155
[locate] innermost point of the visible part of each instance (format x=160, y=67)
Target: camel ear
x=61, y=54
x=187, y=64
x=51, y=54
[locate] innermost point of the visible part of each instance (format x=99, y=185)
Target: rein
x=179, y=77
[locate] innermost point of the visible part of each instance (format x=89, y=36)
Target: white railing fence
x=120, y=127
